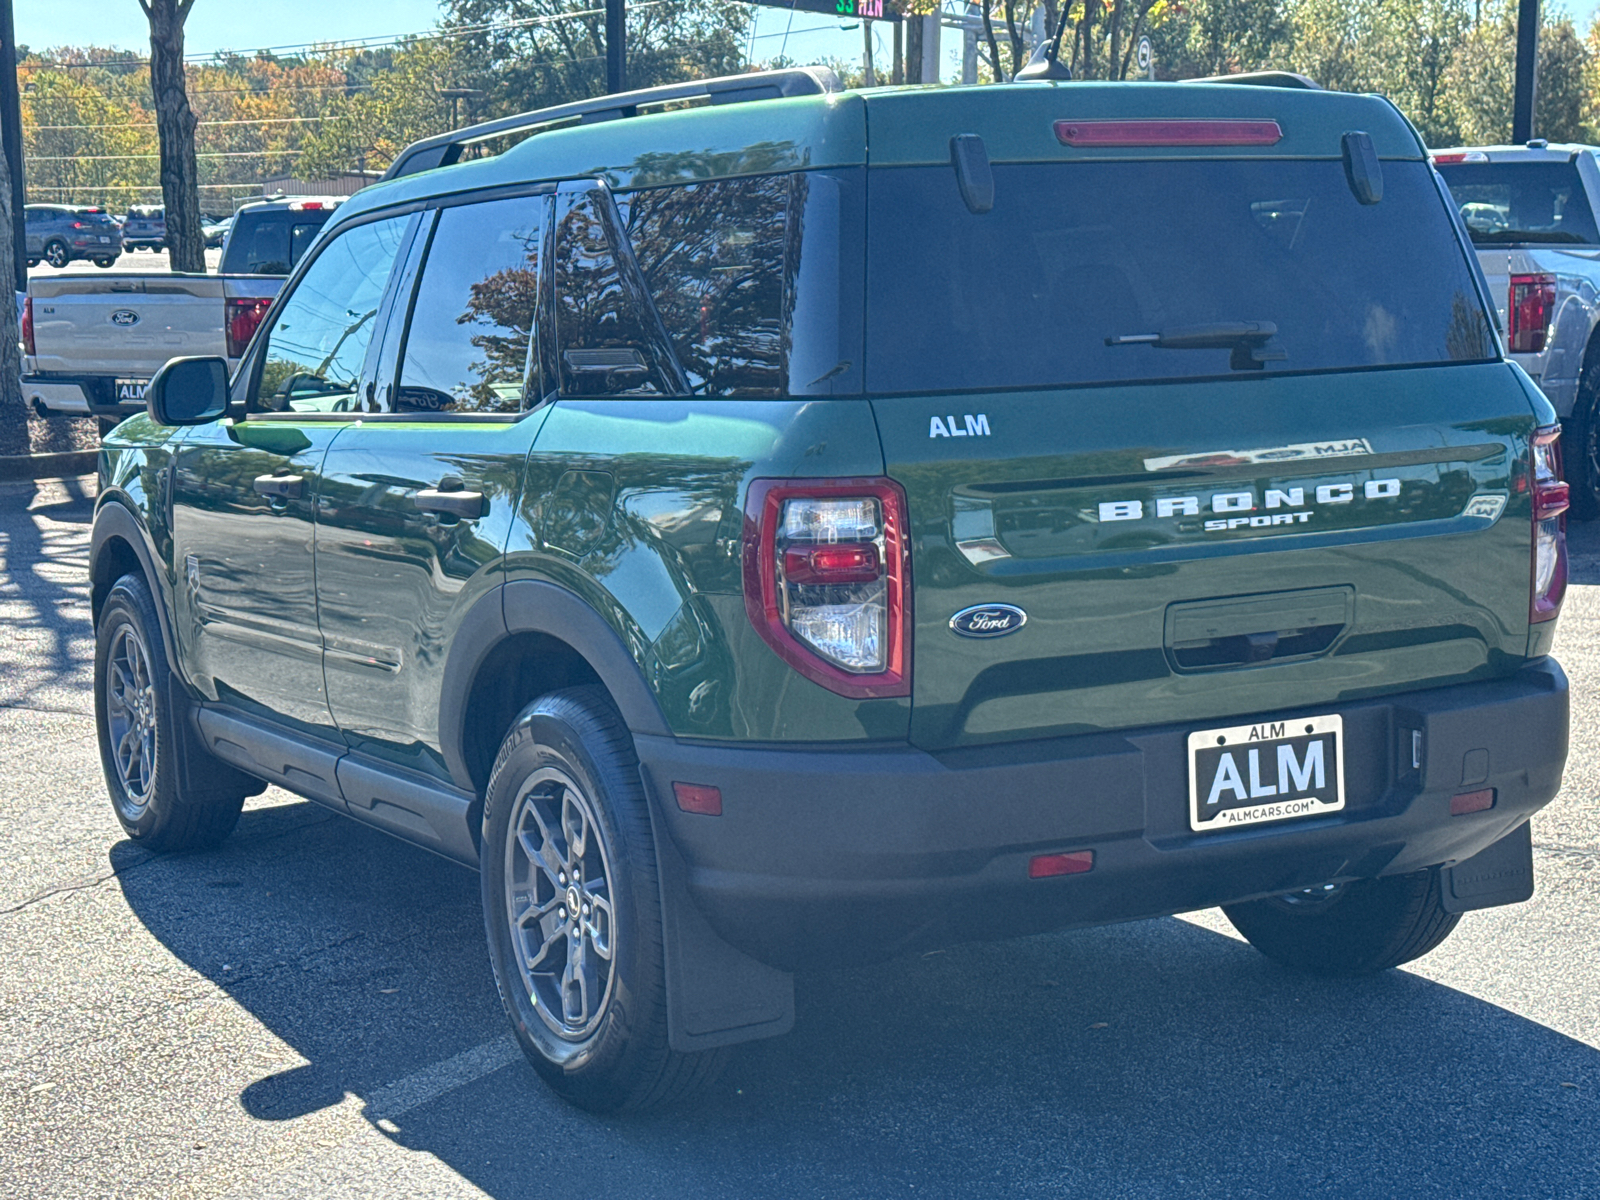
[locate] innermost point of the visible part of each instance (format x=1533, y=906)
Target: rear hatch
x=1319, y=497
x=124, y=325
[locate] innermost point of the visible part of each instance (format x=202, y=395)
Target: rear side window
x=470, y=343
x=713, y=254
x=1507, y=203
x=1079, y=268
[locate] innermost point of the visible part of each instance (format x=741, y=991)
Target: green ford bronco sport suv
x=797, y=526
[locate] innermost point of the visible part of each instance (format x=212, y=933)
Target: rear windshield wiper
x=1253, y=342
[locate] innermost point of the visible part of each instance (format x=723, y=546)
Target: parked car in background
x=1531, y=212
x=215, y=228
x=91, y=344
x=62, y=233
x=145, y=227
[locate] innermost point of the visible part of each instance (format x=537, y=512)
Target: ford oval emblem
x=124, y=316
x=988, y=620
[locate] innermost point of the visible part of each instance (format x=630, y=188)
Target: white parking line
x=417, y=1089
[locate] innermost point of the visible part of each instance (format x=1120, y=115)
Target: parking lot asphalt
x=144, y=261
x=308, y=1011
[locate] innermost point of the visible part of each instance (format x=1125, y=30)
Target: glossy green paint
x=244, y=598
x=394, y=583
x=637, y=506
x=1439, y=596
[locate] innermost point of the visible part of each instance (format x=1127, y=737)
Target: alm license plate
x=1269, y=771
x=131, y=389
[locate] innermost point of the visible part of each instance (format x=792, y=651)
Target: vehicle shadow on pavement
x=44, y=612
x=1149, y=1059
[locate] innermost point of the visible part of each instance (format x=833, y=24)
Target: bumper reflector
x=698, y=798
x=1044, y=866
x=1471, y=802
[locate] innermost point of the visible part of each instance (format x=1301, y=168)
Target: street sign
x=1144, y=54
x=845, y=10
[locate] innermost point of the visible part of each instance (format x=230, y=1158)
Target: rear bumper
x=55, y=397
x=826, y=855
x=98, y=392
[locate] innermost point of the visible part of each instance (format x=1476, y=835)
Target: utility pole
x=455, y=96
x=1527, y=83
x=11, y=136
x=616, y=47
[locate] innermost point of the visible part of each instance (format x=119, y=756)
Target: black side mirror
x=188, y=391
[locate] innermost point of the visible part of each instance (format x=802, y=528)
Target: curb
x=48, y=466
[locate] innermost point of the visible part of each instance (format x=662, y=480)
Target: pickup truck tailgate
x=1367, y=534
x=124, y=325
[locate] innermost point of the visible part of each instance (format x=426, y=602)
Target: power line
x=35, y=158
x=199, y=125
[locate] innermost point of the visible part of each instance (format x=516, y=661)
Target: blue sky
x=235, y=25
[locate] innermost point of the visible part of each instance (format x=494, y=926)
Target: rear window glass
x=1521, y=202
x=1075, y=257
x=271, y=244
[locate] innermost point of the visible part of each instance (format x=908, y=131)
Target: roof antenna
x=1045, y=63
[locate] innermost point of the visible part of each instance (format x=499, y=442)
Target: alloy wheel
x=559, y=901
x=56, y=255
x=131, y=719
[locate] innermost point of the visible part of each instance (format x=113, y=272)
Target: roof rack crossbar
x=446, y=148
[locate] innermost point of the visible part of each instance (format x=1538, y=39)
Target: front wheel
x=1349, y=929
x=572, y=909
x=141, y=736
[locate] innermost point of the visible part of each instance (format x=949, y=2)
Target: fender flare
x=534, y=606
x=116, y=520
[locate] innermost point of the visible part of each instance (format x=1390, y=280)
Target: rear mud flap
x=1500, y=874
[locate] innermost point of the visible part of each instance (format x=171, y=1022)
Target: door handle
x=280, y=487
x=453, y=501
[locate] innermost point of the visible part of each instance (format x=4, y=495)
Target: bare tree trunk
x=13, y=412
x=175, y=123
x=1015, y=37
x=913, y=49
x=897, y=74
x=994, y=46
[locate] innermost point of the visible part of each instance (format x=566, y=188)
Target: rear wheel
x=572, y=909
x=1351, y=928
x=57, y=254
x=140, y=737
x=104, y=263
x=1580, y=450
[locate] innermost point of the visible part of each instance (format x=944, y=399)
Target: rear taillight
x=242, y=316
x=827, y=581
x=27, y=327
x=1180, y=132
x=77, y=224
x=1531, y=306
x=1549, y=526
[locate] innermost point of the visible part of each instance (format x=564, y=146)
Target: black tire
x=1580, y=446
x=1353, y=929
x=151, y=805
x=57, y=254
x=569, y=756
x=105, y=264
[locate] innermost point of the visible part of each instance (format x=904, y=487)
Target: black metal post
x=1527, y=84
x=11, y=136
x=616, y=47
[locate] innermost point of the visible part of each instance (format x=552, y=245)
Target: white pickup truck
x=1531, y=212
x=92, y=342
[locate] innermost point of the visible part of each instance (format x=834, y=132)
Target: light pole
x=455, y=95
x=616, y=47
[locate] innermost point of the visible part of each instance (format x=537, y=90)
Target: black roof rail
x=1283, y=79
x=446, y=148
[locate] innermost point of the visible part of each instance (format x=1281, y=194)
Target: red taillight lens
x=1168, y=133
x=1048, y=866
x=1531, y=306
x=77, y=224
x=242, y=317
x=1471, y=802
x=827, y=581
x=27, y=327
x=698, y=798
x=1550, y=496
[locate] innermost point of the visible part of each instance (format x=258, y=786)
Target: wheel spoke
x=536, y=856
x=544, y=948
x=535, y=910
x=578, y=986
x=574, y=826
x=598, y=922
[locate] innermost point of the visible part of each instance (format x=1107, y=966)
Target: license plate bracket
x=130, y=391
x=1266, y=771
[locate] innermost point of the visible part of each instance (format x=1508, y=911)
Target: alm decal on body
x=970, y=425
x=1239, y=510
